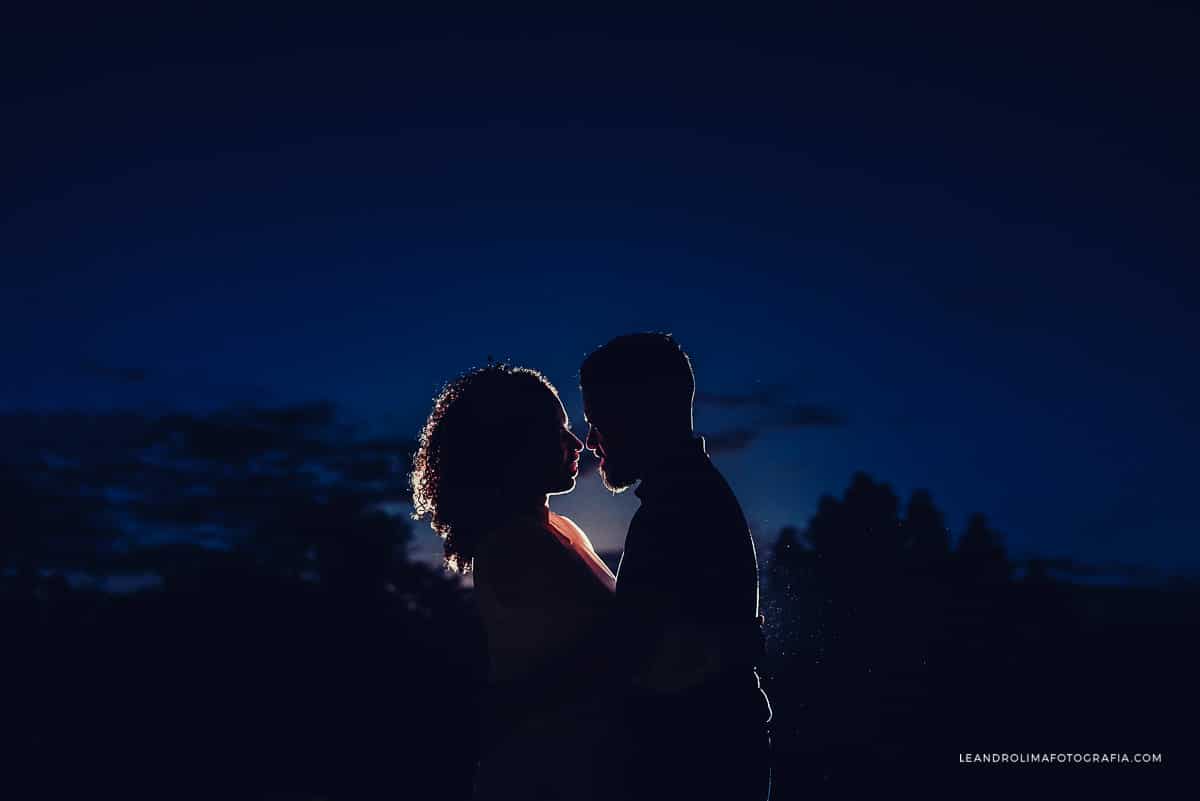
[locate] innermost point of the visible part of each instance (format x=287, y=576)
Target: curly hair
x=489, y=405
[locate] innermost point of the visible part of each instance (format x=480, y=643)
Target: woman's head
x=496, y=442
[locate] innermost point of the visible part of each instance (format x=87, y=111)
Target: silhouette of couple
x=635, y=686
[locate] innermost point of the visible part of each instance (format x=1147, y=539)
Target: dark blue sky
x=970, y=235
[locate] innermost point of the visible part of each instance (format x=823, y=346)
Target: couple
x=635, y=686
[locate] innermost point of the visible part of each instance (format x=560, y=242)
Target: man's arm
x=674, y=633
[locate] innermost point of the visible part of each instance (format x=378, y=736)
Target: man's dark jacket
x=689, y=557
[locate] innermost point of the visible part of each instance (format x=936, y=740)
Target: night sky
x=953, y=249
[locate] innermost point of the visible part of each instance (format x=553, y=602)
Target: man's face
x=609, y=440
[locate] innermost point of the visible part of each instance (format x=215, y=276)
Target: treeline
x=896, y=647
x=291, y=649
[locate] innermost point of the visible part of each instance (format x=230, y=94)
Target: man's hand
x=689, y=653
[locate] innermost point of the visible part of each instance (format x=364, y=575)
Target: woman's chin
x=567, y=485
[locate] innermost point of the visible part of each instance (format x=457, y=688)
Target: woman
x=496, y=446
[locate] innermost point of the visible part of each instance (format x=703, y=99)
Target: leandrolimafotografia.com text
x=1060, y=758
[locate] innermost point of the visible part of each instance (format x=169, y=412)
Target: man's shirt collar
x=670, y=462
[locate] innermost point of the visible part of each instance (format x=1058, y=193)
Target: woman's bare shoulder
x=566, y=521
x=575, y=532
x=515, y=544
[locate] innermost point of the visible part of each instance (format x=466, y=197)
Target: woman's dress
x=550, y=722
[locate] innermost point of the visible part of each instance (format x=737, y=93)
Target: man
x=687, y=584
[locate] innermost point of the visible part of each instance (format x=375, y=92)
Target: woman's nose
x=576, y=445
x=593, y=441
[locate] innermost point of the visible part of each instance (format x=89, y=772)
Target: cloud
x=780, y=411
x=776, y=411
x=730, y=440
x=810, y=414
x=769, y=396
x=101, y=476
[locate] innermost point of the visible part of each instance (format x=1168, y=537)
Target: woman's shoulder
x=570, y=529
x=563, y=520
x=515, y=541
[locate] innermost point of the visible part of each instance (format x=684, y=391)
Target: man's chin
x=615, y=484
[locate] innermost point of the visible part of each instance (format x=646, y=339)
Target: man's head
x=637, y=397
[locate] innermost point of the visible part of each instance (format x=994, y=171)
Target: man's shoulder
x=678, y=516
x=698, y=493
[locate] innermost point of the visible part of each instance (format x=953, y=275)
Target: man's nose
x=593, y=441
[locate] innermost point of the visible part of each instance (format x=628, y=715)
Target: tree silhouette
x=862, y=529
x=288, y=632
x=925, y=532
x=876, y=626
x=981, y=554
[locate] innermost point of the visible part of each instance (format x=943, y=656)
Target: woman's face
x=553, y=450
